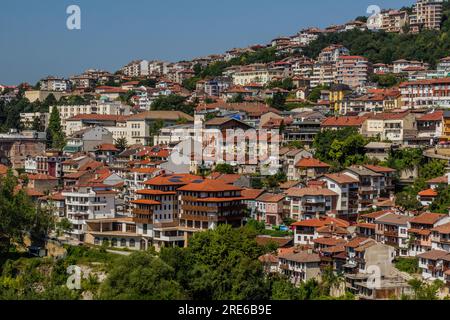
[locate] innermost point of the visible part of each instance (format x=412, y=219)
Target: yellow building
x=338, y=93
x=446, y=127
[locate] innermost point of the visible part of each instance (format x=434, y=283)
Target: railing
x=142, y=212
x=194, y=217
x=390, y=233
x=199, y=208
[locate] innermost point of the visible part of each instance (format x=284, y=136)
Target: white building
x=88, y=202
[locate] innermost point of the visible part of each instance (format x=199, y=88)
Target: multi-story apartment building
x=205, y=204
x=307, y=231
x=309, y=203
x=440, y=237
x=435, y=265
x=386, y=182
x=332, y=53
x=427, y=14
x=323, y=74
x=392, y=229
x=138, y=68
x=389, y=126
x=109, y=108
x=257, y=73
x=353, y=71
x=310, y=169
x=270, y=207
x=370, y=185
x=429, y=126
x=426, y=93
x=54, y=84
x=394, y=20
x=156, y=213
x=85, y=202
x=347, y=189
x=420, y=229
x=28, y=119
x=49, y=163
x=299, y=266
x=443, y=67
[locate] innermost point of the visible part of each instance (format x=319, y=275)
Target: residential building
x=392, y=229
x=426, y=93
x=427, y=14
x=270, y=207
x=353, y=71
x=420, y=231
x=205, y=204
x=347, y=189
x=86, y=203
x=311, y=202
x=299, y=266
x=394, y=21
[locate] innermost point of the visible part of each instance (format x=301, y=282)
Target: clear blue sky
x=34, y=40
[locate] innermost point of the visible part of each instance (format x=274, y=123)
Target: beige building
x=427, y=14
x=256, y=73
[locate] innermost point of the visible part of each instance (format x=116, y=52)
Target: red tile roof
x=41, y=176
x=208, y=185
x=251, y=194
x=341, y=178
x=428, y=218
x=311, y=163
x=434, y=116
x=354, y=121
x=321, y=222
x=107, y=147
x=428, y=193
x=379, y=169
x=301, y=192
x=172, y=180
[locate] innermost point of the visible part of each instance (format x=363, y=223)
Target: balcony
x=194, y=217
x=144, y=212
x=393, y=234
x=143, y=220
x=199, y=208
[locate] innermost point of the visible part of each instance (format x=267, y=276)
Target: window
x=123, y=243
x=132, y=243
x=114, y=242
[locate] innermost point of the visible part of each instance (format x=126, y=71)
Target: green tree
x=173, y=102
x=141, y=276
x=121, y=144
x=17, y=213
x=224, y=168
x=55, y=134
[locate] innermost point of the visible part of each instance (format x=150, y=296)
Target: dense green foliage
x=55, y=134
x=173, y=102
x=17, y=213
x=423, y=290
x=409, y=265
x=224, y=168
x=340, y=148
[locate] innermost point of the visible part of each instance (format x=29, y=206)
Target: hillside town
x=342, y=162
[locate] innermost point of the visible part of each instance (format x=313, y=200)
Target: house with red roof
x=430, y=126
x=311, y=202
x=270, y=208
x=420, y=230
x=311, y=168
x=347, y=188
x=42, y=182
x=426, y=197
x=306, y=231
